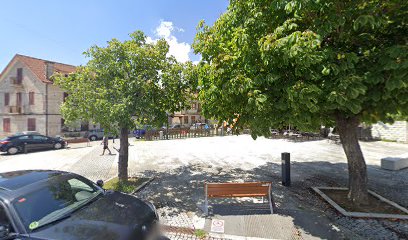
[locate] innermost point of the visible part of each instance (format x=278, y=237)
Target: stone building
x=187, y=117
x=29, y=101
x=398, y=131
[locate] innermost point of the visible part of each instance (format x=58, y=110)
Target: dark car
x=140, y=132
x=30, y=142
x=46, y=204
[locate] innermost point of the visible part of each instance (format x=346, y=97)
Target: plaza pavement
x=79, y=158
x=181, y=167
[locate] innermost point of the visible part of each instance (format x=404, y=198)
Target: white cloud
x=179, y=50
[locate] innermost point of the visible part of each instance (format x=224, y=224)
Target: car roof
x=16, y=182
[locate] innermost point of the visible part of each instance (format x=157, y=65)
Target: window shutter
x=31, y=124
x=6, y=124
x=31, y=98
x=6, y=99
x=19, y=75
x=18, y=99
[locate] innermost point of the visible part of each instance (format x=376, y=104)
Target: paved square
x=182, y=166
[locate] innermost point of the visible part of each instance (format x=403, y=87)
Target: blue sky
x=62, y=30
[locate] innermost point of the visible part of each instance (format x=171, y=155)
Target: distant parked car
x=140, y=132
x=176, y=126
x=198, y=126
x=27, y=133
x=46, y=204
x=30, y=142
x=96, y=134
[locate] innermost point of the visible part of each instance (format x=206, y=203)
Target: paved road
x=78, y=158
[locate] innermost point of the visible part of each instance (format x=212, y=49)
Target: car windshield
x=61, y=196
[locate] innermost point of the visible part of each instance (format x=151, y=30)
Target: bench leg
x=270, y=200
x=206, y=201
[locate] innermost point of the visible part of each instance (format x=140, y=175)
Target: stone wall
x=398, y=131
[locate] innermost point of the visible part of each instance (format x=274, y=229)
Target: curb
x=141, y=186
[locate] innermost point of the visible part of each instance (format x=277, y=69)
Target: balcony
x=16, y=81
x=16, y=110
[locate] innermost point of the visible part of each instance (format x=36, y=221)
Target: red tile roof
x=38, y=66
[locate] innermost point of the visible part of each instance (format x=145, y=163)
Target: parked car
x=28, y=133
x=47, y=204
x=29, y=142
x=140, y=132
x=198, y=126
x=97, y=134
x=176, y=126
x=94, y=135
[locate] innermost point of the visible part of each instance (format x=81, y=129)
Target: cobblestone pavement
x=177, y=233
x=79, y=158
x=182, y=166
x=94, y=166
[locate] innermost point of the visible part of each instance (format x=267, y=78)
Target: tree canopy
x=125, y=84
x=307, y=63
x=302, y=62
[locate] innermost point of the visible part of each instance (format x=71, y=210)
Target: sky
x=62, y=30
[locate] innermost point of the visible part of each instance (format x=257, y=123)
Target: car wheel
x=93, y=138
x=12, y=150
x=57, y=146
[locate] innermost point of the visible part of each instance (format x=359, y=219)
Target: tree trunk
x=347, y=128
x=123, y=155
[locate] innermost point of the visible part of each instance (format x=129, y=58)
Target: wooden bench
x=234, y=190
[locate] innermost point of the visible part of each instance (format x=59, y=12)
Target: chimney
x=49, y=69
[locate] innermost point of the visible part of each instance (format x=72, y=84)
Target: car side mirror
x=4, y=231
x=99, y=183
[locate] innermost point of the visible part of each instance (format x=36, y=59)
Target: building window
x=19, y=75
x=31, y=124
x=6, y=99
x=198, y=107
x=193, y=119
x=18, y=99
x=185, y=119
x=193, y=106
x=31, y=98
x=6, y=124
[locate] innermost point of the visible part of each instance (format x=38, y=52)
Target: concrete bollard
x=286, y=169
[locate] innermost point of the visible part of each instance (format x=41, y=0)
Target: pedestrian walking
x=105, y=143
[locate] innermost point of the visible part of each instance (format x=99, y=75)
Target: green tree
x=123, y=85
x=308, y=63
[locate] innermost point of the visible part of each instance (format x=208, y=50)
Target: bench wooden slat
x=231, y=190
x=236, y=195
x=237, y=184
x=257, y=191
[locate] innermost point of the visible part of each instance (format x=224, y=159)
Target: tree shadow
x=182, y=190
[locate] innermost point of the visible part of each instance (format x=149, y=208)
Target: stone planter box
x=362, y=214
